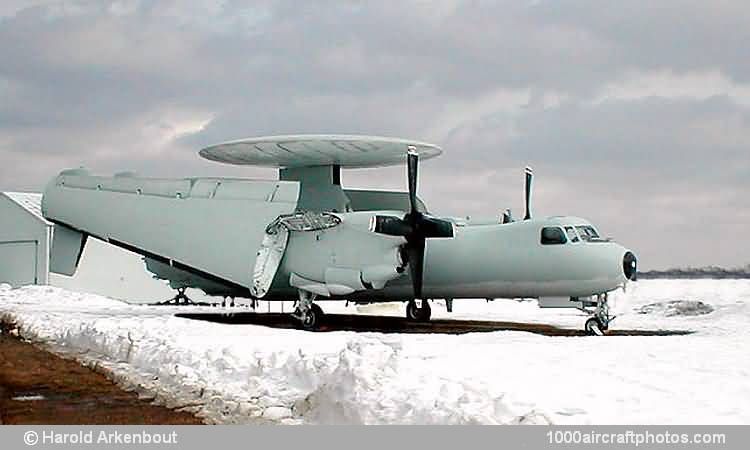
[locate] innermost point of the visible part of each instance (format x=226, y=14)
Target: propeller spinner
x=415, y=227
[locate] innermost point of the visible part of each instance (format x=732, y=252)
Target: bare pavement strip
x=39, y=387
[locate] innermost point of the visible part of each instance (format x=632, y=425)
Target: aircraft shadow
x=388, y=324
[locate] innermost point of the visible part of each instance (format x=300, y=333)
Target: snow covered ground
x=252, y=374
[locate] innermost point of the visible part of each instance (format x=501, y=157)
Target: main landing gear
x=180, y=298
x=598, y=323
x=417, y=314
x=308, y=313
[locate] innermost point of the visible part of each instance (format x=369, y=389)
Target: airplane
x=304, y=237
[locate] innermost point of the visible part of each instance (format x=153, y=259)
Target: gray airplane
x=305, y=237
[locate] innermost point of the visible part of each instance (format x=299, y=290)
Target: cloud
x=675, y=35
x=633, y=114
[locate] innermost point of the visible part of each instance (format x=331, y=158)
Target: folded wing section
x=212, y=225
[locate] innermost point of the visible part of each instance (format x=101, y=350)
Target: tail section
x=67, y=247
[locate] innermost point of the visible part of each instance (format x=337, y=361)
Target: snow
x=678, y=308
x=256, y=374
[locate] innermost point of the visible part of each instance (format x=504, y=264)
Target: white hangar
x=25, y=239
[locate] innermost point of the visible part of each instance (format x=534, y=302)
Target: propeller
x=416, y=226
x=527, y=191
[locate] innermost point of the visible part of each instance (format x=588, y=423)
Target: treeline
x=699, y=272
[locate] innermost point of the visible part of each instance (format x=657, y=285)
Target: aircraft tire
x=417, y=314
x=425, y=312
x=594, y=327
x=412, y=311
x=313, y=318
x=424, y=316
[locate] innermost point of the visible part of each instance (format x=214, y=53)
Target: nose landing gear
x=598, y=323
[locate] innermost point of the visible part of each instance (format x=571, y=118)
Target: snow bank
x=677, y=308
x=248, y=374
x=255, y=374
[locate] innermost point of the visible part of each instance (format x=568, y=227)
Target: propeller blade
x=431, y=227
x=415, y=226
x=527, y=190
x=415, y=254
x=392, y=226
x=412, y=162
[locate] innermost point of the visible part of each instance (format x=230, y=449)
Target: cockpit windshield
x=572, y=237
x=587, y=232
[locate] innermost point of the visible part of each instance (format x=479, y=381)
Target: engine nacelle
x=340, y=281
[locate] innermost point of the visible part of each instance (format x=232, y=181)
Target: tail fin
x=67, y=247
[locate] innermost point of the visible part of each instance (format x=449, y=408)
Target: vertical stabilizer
x=67, y=247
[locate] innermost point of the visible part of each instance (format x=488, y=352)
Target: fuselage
x=486, y=261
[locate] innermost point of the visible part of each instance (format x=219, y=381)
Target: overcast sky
x=634, y=114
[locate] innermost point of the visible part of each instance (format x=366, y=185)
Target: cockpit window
x=553, y=236
x=571, y=232
x=587, y=232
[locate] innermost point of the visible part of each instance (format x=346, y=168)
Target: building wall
x=24, y=239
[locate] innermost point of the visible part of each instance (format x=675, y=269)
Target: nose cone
x=630, y=266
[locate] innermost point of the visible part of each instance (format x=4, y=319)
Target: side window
x=571, y=232
x=553, y=236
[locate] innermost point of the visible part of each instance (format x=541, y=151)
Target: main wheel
x=594, y=327
x=425, y=312
x=413, y=312
x=312, y=318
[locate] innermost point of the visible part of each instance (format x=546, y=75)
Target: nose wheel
x=598, y=323
x=594, y=327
